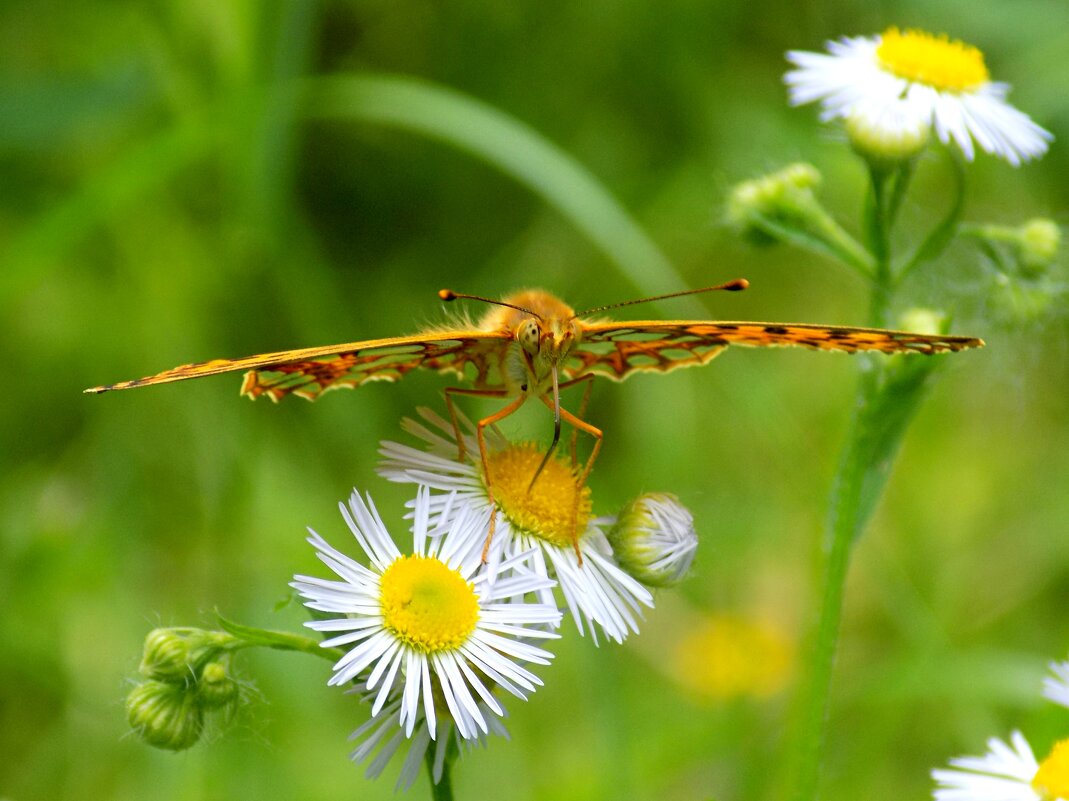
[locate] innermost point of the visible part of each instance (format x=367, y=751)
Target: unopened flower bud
x=1038, y=245
x=175, y=654
x=165, y=715
x=166, y=655
x=924, y=321
x=215, y=687
x=785, y=196
x=654, y=539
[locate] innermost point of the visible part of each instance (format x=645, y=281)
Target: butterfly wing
x=309, y=372
x=617, y=349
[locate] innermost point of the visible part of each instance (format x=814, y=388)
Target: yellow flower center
x=427, y=605
x=1052, y=779
x=935, y=61
x=547, y=509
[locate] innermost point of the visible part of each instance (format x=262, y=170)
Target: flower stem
x=251, y=637
x=945, y=230
x=882, y=208
x=443, y=789
x=823, y=236
x=856, y=486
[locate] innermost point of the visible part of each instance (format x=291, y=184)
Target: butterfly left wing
x=617, y=349
x=308, y=372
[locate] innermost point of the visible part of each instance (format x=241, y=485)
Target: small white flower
x=1056, y=687
x=538, y=522
x=916, y=75
x=382, y=737
x=1002, y=774
x=422, y=625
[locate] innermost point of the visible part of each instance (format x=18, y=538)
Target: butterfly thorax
x=544, y=334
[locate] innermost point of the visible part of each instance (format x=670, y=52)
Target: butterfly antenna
x=737, y=285
x=449, y=295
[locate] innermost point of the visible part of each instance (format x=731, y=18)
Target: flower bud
x=166, y=655
x=654, y=539
x=175, y=654
x=1039, y=241
x=215, y=687
x=924, y=321
x=785, y=197
x=165, y=715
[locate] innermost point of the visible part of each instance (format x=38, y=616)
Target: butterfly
x=533, y=345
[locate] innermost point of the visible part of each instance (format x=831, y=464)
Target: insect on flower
x=533, y=345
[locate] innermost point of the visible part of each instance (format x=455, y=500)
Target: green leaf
x=508, y=144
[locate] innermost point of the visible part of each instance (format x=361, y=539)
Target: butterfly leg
x=479, y=428
x=455, y=419
x=589, y=379
x=598, y=435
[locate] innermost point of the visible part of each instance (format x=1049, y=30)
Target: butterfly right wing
x=309, y=372
x=618, y=349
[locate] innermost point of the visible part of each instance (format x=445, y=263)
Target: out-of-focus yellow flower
x=734, y=656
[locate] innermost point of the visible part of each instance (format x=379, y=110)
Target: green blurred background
x=169, y=193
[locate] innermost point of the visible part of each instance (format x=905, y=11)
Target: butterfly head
x=548, y=339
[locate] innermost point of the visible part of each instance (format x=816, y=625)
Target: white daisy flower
x=382, y=737
x=420, y=623
x=943, y=82
x=536, y=520
x=1006, y=773
x=1056, y=687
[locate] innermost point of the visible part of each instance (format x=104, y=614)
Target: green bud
x=175, y=654
x=215, y=687
x=785, y=197
x=166, y=655
x=654, y=539
x=924, y=321
x=1039, y=241
x=1030, y=249
x=165, y=715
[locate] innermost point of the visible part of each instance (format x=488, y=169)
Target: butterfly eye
x=528, y=335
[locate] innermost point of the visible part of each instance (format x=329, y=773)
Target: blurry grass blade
x=511, y=146
x=104, y=195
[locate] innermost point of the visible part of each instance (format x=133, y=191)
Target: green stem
x=944, y=231
x=851, y=504
x=250, y=637
x=823, y=236
x=880, y=214
x=903, y=176
x=443, y=789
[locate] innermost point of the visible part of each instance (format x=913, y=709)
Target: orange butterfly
x=532, y=346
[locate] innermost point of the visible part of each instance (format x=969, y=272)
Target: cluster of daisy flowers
x=893, y=89
x=1010, y=771
x=434, y=633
